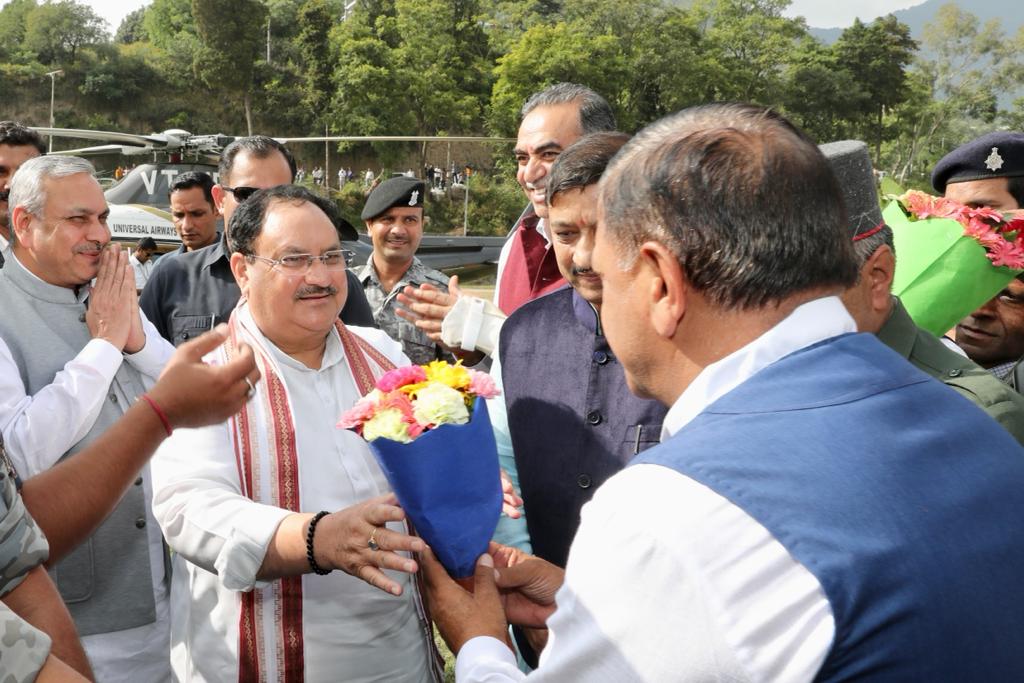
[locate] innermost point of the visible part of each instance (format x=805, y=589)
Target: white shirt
x=35, y=441
x=506, y=249
x=669, y=581
x=352, y=631
x=142, y=270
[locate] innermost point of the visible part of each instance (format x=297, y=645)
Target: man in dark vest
x=818, y=509
x=565, y=411
x=566, y=421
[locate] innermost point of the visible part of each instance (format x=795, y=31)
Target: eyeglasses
x=241, y=193
x=297, y=264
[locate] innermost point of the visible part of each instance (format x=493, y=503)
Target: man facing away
x=194, y=292
x=18, y=144
x=394, y=220
x=254, y=592
x=818, y=509
x=989, y=172
x=99, y=355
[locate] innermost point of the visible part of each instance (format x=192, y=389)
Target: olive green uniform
x=973, y=382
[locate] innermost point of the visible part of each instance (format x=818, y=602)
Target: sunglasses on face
x=241, y=193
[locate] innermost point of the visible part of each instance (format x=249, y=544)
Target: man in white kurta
x=222, y=537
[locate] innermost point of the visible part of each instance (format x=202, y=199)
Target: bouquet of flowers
x=428, y=427
x=950, y=258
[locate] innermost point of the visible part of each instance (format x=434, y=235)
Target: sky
x=828, y=14
x=819, y=13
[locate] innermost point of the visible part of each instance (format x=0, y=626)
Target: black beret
x=996, y=155
x=400, y=191
x=851, y=165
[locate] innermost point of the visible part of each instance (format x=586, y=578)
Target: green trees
x=375, y=67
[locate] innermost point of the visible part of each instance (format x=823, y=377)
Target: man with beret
x=394, y=221
x=876, y=310
x=989, y=172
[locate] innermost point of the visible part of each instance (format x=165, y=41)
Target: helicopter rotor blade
x=394, y=138
x=89, y=151
x=104, y=136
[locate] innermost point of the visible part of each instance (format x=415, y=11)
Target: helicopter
x=140, y=206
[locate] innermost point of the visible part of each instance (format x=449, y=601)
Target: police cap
x=400, y=191
x=996, y=155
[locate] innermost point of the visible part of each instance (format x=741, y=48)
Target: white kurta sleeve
x=198, y=503
x=668, y=581
x=153, y=356
x=34, y=436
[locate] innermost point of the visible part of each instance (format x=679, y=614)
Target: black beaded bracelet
x=317, y=569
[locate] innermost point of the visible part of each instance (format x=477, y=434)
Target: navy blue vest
x=900, y=496
x=573, y=421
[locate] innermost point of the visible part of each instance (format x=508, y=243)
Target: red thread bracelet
x=159, y=413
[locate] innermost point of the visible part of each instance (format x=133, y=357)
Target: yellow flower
x=455, y=376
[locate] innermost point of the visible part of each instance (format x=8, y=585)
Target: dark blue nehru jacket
x=899, y=495
x=572, y=419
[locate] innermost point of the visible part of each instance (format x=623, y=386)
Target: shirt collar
x=808, y=324
x=1003, y=370
x=368, y=273
x=529, y=220
x=333, y=353
x=214, y=252
x=4, y=243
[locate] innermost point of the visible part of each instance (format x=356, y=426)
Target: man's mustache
x=582, y=271
x=90, y=247
x=4, y=194
x=310, y=290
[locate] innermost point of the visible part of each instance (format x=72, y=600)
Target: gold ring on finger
x=372, y=543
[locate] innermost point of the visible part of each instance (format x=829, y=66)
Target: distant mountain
x=1008, y=12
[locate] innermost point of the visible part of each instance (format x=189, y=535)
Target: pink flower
x=1009, y=254
x=354, y=417
x=482, y=384
x=947, y=208
x=984, y=213
x=918, y=204
x=399, y=377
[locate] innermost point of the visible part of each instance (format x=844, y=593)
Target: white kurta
x=351, y=631
x=669, y=581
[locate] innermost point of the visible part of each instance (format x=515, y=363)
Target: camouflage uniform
x=23, y=648
x=416, y=344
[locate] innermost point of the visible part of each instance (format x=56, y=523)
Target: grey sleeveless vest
x=106, y=581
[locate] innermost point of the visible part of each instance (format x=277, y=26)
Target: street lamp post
x=53, y=84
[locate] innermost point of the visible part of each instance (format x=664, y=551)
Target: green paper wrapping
x=941, y=274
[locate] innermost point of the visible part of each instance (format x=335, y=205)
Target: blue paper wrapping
x=447, y=482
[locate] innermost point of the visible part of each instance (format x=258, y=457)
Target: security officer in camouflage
x=23, y=648
x=872, y=305
x=394, y=221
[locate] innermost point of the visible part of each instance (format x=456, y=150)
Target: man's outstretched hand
x=194, y=394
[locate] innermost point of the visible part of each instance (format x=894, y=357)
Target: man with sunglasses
x=196, y=290
x=394, y=220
